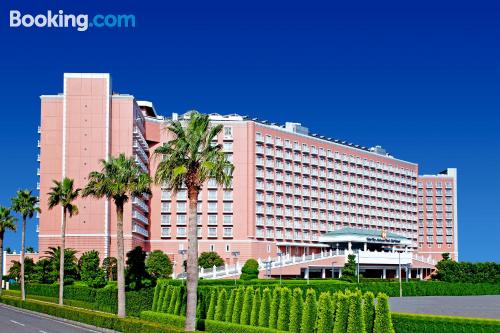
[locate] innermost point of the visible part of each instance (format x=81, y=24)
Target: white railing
x=424, y=259
x=140, y=217
x=139, y=202
x=140, y=137
x=141, y=164
x=140, y=230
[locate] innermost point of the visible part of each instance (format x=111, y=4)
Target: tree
x=265, y=308
x=296, y=311
x=254, y=315
x=15, y=269
x=275, y=304
x=62, y=194
x=7, y=222
x=238, y=305
x=8, y=250
x=356, y=319
x=42, y=272
x=30, y=249
x=119, y=179
x=284, y=309
x=250, y=270
x=342, y=313
x=220, y=309
x=309, y=312
x=109, y=265
x=446, y=256
x=136, y=276
x=230, y=305
x=246, y=310
x=158, y=265
x=349, y=270
x=27, y=205
x=191, y=159
x=209, y=260
x=383, y=321
x=90, y=272
x=212, y=304
x=53, y=254
x=324, y=321
x=369, y=310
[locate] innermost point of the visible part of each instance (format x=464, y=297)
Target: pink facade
x=289, y=186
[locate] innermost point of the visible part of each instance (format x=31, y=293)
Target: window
x=165, y=207
x=165, y=219
x=228, y=232
x=165, y=195
x=212, y=232
x=212, y=195
x=228, y=195
x=181, y=219
x=212, y=207
x=181, y=195
x=228, y=207
x=228, y=248
x=228, y=146
x=211, y=248
x=165, y=232
x=228, y=132
x=181, y=207
x=212, y=219
x=228, y=219
x=181, y=232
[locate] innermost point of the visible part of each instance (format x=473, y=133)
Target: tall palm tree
x=119, y=179
x=63, y=194
x=190, y=159
x=7, y=222
x=25, y=204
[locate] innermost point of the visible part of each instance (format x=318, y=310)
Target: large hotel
x=299, y=200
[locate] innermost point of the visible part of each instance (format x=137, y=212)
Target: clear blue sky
x=420, y=79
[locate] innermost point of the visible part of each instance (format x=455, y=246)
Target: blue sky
x=420, y=79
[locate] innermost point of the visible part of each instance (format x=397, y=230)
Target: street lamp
x=236, y=254
x=280, y=255
x=399, y=274
x=183, y=253
x=357, y=268
x=268, y=267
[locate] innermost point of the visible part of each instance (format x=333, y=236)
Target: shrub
x=250, y=270
x=163, y=318
x=383, y=322
x=212, y=305
x=254, y=315
x=173, y=298
x=356, y=319
x=158, y=265
x=309, y=312
x=90, y=272
x=349, y=270
x=246, y=309
x=155, y=297
x=220, y=309
x=342, y=313
x=451, y=271
x=412, y=323
x=136, y=276
x=179, y=302
x=265, y=308
x=296, y=311
x=284, y=309
x=275, y=304
x=334, y=306
x=324, y=321
x=225, y=327
x=230, y=305
x=210, y=259
x=167, y=297
x=369, y=310
x=238, y=304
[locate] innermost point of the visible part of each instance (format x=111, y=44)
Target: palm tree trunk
x=23, y=236
x=192, y=262
x=61, y=258
x=1, y=261
x=120, y=260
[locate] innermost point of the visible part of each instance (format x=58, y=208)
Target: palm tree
x=63, y=194
x=7, y=222
x=120, y=178
x=190, y=159
x=70, y=263
x=27, y=205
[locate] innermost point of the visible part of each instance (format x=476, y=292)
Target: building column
x=384, y=273
x=340, y=273
x=323, y=273
x=397, y=273
x=306, y=273
x=365, y=247
x=349, y=246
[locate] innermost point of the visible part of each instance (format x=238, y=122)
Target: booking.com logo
x=61, y=20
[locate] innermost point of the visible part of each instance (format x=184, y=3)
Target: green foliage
x=265, y=308
x=324, y=321
x=296, y=311
x=156, y=296
x=230, y=305
x=213, y=304
x=158, y=265
x=246, y=309
x=136, y=276
x=70, y=264
x=349, y=270
x=275, y=304
x=225, y=327
x=109, y=264
x=250, y=270
x=309, y=312
x=99, y=319
x=42, y=271
x=29, y=269
x=369, y=310
x=254, y=315
x=167, y=297
x=284, y=309
x=179, y=299
x=383, y=322
x=220, y=309
x=451, y=271
x=173, y=298
x=238, y=305
x=90, y=272
x=356, y=319
x=414, y=323
x=341, y=313
x=210, y=259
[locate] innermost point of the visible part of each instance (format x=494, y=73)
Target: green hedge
x=411, y=323
x=225, y=327
x=104, y=299
x=99, y=319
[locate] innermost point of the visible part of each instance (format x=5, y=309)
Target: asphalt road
x=13, y=320
x=465, y=306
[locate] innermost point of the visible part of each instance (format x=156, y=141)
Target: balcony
x=138, y=216
x=140, y=230
x=141, y=204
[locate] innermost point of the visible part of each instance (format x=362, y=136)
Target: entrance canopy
x=368, y=236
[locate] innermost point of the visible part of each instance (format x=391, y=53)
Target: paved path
x=14, y=320
x=466, y=306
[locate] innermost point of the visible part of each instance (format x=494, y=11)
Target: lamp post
x=268, y=267
x=357, y=268
x=399, y=274
x=235, y=254
x=280, y=255
x=183, y=253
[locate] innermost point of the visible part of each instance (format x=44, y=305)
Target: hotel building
x=294, y=194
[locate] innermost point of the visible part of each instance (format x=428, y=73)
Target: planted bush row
x=99, y=319
x=411, y=323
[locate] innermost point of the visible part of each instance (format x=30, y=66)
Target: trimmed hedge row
x=104, y=299
x=411, y=323
x=225, y=327
x=99, y=319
